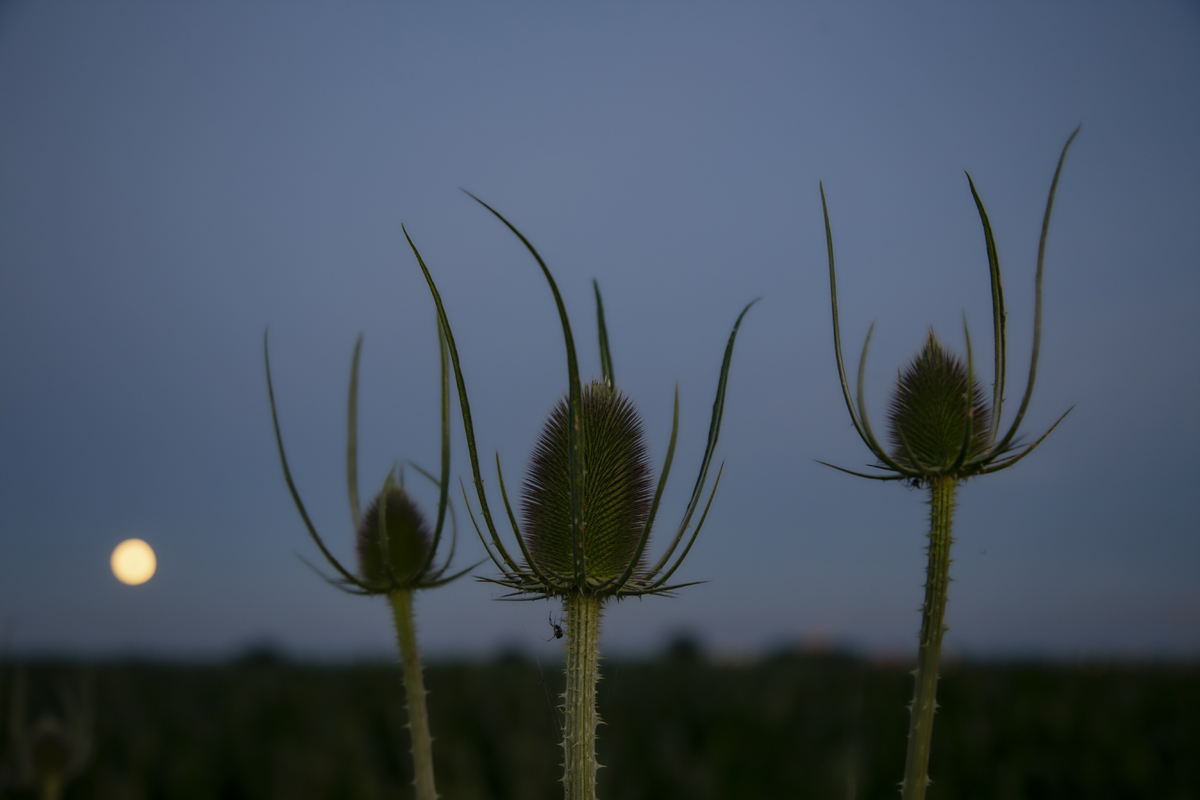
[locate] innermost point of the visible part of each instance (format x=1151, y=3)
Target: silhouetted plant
x=47, y=754
x=395, y=552
x=589, y=509
x=942, y=432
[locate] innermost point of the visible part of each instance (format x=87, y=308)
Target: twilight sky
x=174, y=178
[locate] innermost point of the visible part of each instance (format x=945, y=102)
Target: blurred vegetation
x=794, y=725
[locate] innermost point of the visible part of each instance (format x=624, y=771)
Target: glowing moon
x=133, y=562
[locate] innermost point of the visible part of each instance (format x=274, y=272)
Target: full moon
x=133, y=562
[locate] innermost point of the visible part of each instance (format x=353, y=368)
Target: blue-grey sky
x=174, y=178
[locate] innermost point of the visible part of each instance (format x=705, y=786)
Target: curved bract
x=939, y=426
x=587, y=505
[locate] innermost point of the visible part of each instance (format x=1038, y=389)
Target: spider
x=558, y=631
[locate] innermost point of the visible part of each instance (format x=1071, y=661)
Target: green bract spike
x=606, y=367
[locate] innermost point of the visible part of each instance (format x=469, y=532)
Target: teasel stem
x=937, y=580
x=52, y=786
x=579, y=701
x=414, y=687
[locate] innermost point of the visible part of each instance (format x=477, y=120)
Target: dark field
x=796, y=726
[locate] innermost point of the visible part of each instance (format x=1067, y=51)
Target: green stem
x=52, y=787
x=414, y=687
x=937, y=578
x=579, y=701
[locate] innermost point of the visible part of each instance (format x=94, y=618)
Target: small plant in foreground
x=588, y=508
x=395, y=552
x=942, y=432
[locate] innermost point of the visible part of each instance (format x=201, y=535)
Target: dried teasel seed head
x=929, y=412
x=616, y=487
x=408, y=539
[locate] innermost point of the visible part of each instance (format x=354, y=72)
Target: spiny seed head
x=408, y=539
x=929, y=412
x=615, y=488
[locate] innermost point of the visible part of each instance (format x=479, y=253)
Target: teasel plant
x=46, y=755
x=395, y=548
x=942, y=431
x=589, y=503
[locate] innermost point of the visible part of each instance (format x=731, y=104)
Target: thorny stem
x=937, y=578
x=579, y=701
x=414, y=687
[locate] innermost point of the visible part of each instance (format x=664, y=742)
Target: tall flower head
x=940, y=422
x=928, y=418
x=589, y=500
x=616, y=488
